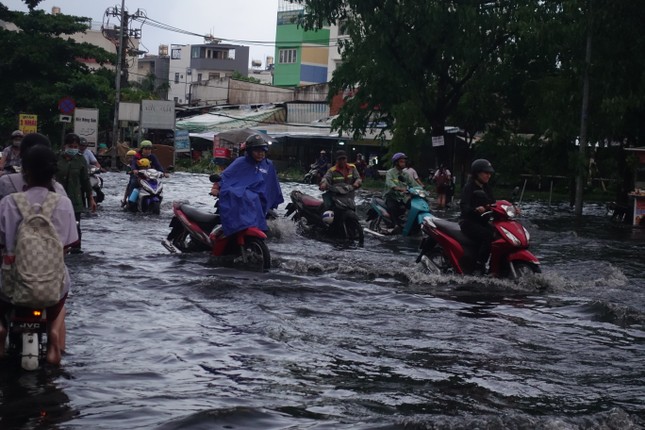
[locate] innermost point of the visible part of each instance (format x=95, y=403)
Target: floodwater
x=340, y=337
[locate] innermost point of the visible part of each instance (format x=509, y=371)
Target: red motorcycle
x=194, y=230
x=445, y=249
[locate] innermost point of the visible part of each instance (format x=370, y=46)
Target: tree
x=421, y=54
x=40, y=67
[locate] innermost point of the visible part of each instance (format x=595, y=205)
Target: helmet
x=144, y=163
x=328, y=217
x=17, y=133
x=256, y=141
x=131, y=152
x=481, y=165
x=71, y=138
x=82, y=142
x=341, y=154
x=396, y=157
x=102, y=145
x=323, y=152
x=145, y=144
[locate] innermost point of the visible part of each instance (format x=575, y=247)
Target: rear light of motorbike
x=37, y=313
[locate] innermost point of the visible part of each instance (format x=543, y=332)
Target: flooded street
x=340, y=337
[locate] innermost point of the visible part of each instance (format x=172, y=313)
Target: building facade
x=301, y=56
x=192, y=65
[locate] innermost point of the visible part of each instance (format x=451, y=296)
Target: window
x=175, y=54
x=287, y=56
x=176, y=77
x=199, y=77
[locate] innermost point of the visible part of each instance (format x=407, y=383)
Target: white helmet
x=328, y=217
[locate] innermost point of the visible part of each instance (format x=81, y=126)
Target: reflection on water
x=338, y=336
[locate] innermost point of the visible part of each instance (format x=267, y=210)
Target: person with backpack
x=442, y=179
x=35, y=227
x=73, y=175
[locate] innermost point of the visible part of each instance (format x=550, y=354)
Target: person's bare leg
x=54, y=336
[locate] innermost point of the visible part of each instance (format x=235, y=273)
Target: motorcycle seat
x=199, y=216
x=311, y=202
x=453, y=229
x=379, y=201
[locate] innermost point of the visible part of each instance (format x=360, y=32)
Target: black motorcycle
x=340, y=222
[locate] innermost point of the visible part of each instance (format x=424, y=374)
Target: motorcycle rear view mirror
x=214, y=178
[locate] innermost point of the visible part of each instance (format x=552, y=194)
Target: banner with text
x=28, y=123
x=158, y=114
x=86, y=125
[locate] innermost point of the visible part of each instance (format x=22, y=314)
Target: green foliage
x=238, y=76
x=40, y=66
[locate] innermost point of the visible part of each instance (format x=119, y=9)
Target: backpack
x=34, y=275
x=442, y=179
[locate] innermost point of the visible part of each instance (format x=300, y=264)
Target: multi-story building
x=195, y=64
x=302, y=56
x=159, y=66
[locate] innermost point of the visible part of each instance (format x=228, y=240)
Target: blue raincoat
x=248, y=190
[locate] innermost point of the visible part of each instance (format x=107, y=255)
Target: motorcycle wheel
x=354, y=230
x=524, y=269
x=434, y=263
x=257, y=254
x=155, y=208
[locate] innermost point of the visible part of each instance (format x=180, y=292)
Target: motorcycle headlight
x=510, y=211
x=511, y=237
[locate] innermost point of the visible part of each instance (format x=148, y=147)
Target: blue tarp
x=248, y=191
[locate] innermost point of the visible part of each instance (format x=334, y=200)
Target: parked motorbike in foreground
x=194, y=230
x=446, y=250
x=27, y=330
x=380, y=221
x=147, y=196
x=342, y=222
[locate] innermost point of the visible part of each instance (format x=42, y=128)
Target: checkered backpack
x=34, y=275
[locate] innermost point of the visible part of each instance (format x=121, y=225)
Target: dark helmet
x=481, y=165
x=341, y=154
x=71, y=138
x=83, y=142
x=256, y=141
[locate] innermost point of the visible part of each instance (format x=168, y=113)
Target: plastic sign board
x=182, y=141
x=437, y=141
x=28, y=123
x=129, y=111
x=86, y=125
x=158, y=114
x=64, y=118
x=66, y=105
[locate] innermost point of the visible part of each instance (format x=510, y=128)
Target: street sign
x=64, y=118
x=66, y=105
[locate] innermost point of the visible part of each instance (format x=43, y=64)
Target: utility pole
x=117, y=83
x=121, y=41
x=580, y=180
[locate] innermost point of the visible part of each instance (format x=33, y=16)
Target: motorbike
x=97, y=184
x=341, y=222
x=26, y=331
x=147, y=196
x=445, y=249
x=380, y=221
x=314, y=175
x=194, y=230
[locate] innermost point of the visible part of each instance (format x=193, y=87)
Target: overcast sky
x=242, y=22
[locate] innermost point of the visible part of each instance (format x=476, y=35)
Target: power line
x=146, y=20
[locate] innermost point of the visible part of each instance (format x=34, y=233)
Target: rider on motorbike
x=249, y=188
x=476, y=197
x=144, y=152
x=340, y=173
x=397, y=183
